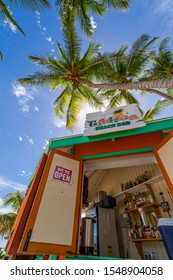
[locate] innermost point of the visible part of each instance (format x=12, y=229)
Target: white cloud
x=37, y=13
x=24, y=107
x=86, y=109
x=5, y=210
x=43, y=29
x=1, y=202
x=61, y=122
x=18, y=90
x=46, y=142
x=30, y=140
x=49, y=39
x=93, y=24
x=23, y=173
x=12, y=27
x=164, y=8
x=23, y=97
x=26, y=138
x=8, y=24
x=58, y=122
x=36, y=109
x=10, y=185
x=20, y=138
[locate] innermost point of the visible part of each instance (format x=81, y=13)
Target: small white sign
x=118, y=119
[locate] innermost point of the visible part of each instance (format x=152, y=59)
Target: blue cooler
x=165, y=226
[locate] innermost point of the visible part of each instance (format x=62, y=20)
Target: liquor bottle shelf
x=139, y=187
x=143, y=206
x=146, y=239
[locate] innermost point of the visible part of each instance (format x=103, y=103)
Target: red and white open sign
x=62, y=174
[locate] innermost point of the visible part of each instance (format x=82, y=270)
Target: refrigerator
x=105, y=232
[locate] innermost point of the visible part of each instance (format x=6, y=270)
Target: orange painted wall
x=20, y=222
x=119, y=144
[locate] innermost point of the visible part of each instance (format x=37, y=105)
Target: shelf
x=141, y=186
x=143, y=206
x=146, y=239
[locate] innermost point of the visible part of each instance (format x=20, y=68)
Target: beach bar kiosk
x=120, y=156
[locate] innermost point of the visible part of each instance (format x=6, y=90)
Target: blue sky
x=27, y=119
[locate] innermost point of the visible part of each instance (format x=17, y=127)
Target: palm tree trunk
x=165, y=96
x=148, y=85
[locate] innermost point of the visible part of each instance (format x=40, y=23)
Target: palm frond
x=73, y=110
x=101, y=62
x=93, y=98
x=164, y=46
x=156, y=110
x=32, y=4
x=82, y=14
x=43, y=79
x=63, y=54
x=118, y=97
x=1, y=56
x=170, y=91
x=162, y=62
x=62, y=102
x=122, y=5
x=91, y=53
x=140, y=53
x=6, y=223
x=14, y=200
x=72, y=42
x=49, y=62
x=97, y=8
x=115, y=100
x=5, y=12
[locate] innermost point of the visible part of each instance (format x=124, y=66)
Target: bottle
x=145, y=175
x=129, y=233
x=126, y=203
x=134, y=201
x=144, y=232
x=135, y=232
x=152, y=231
x=143, y=178
x=151, y=200
x=139, y=180
x=140, y=231
x=148, y=232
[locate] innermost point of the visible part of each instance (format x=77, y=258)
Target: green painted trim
x=126, y=152
x=52, y=257
x=71, y=151
x=164, y=135
x=80, y=139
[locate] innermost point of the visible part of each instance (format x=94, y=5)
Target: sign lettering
x=62, y=174
x=121, y=118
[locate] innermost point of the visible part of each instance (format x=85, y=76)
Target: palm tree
x=162, y=61
x=7, y=220
x=2, y=254
x=129, y=72
x=84, y=8
x=6, y=14
x=76, y=73
x=66, y=71
x=6, y=223
x=14, y=200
